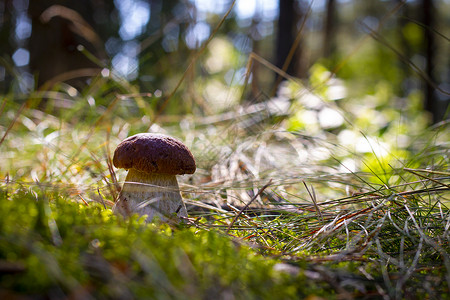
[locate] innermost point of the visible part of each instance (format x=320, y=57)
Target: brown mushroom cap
x=154, y=153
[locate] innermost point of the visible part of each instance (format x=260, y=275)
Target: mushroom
x=151, y=187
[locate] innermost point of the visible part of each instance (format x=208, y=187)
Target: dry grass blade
x=362, y=42
x=2, y=107
x=376, y=36
x=16, y=117
x=313, y=198
x=267, y=64
x=94, y=127
x=444, y=254
x=192, y=62
x=248, y=204
x=294, y=47
x=409, y=271
x=426, y=177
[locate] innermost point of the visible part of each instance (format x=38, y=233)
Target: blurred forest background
x=319, y=129
x=150, y=43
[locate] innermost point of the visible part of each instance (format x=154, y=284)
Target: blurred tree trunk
x=406, y=47
x=429, y=14
x=329, y=43
x=7, y=25
x=288, y=53
x=57, y=31
x=255, y=68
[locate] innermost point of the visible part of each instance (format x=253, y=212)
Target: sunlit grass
x=331, y=187
x=304, y=196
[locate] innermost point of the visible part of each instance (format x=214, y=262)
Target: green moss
x=69, y=248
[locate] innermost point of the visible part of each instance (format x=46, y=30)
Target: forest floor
x=279, y=206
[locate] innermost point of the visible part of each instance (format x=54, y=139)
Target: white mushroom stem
x=154, y=195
